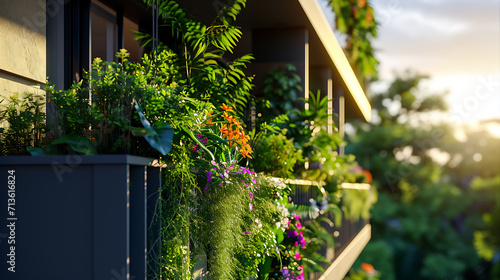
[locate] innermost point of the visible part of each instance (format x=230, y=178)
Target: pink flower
x=299, y=225
x=296, y=217
x=297, y=256
x=251, y=195
x=250, y=206
x=296, y=244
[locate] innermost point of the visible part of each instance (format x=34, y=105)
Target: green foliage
x=220, y=230
x=200, y=52
x=178, y=196
x=427, y=214
x=212, y=210
x=380, y=254
x=281, y=91
x=358, y=203
x=487, y=235
x=238, y=213
x=275, y=155
x=356, y=20
x=100, y=117
x=25, y=124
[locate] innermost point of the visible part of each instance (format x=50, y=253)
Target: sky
x=455, y=42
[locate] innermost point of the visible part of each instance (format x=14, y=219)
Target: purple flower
x=251, y=195
x=303, y=244
x=292, y=233
x=247, y=171
x=209, y=176
x=300, y=237
x=246, y=232
x=206, y=187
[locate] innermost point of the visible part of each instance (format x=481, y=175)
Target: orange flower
x=244, y=137
x=226, y=108
x=368, y=268
x=368, y=176
x=229, y=118
x=223, y=129
x=246, y=151
x=232, y=120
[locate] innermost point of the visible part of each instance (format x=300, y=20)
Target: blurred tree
x=429, y=215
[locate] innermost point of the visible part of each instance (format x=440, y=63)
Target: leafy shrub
x=25, y=121
x=275, y=155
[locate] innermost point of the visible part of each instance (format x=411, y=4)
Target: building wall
x=22, y=46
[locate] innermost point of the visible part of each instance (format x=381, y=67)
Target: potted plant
x=85, y=205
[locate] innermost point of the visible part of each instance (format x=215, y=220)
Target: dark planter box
x=78, y=217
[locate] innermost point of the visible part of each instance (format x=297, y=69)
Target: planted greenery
x=183, y=105
x=276, y=155
x=24, y=119
x=102, y=114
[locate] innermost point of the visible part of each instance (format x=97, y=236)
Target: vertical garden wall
x=233, y=164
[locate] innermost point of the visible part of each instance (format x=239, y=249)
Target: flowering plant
x=291, y=250
x=242, y=211
x=228, y=140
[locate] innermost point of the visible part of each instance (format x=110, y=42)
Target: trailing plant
x=239, y=215
x=178, y=258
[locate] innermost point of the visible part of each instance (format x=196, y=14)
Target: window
x=104, y=32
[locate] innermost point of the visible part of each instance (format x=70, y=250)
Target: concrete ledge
x=344, y=262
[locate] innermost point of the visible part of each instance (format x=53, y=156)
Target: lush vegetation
x=224, y=213
x=438, y=208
